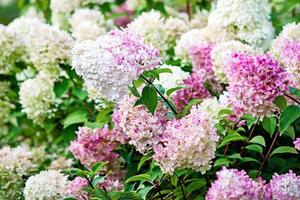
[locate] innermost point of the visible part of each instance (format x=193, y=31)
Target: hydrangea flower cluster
x=76, y=188
x=113, y=61
x=113, y=182
x=87, y=19
x=172, y=80
x=9, y=50
x=199, y=20
x=200, y=56
x=46, y=45
x=61, y=11
x=254, y=83
x=94, y=146
x=19, y=160
x=188, y=143
x=61, y=163
x=174, y=28
x=150, y=26
x=232, y=184
x=48, y=185
x=286, y=48
x=297, y=143
x=142, y=129
x=247, y=20
x=221, y=55
x=285, y=186
x=37, y=97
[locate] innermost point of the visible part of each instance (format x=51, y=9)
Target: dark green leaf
x=254, y=147
x=284, y=149
x=143, y=160
x=98, y=180
x=60, y=88
x=258, y=140
x=140, y=177
x=233, y=137
x=149, y=98
x=125, y=196
x=288, y=116
x=269, y=124
x=280, y=102
x=222, y=162
x=171, y=90
x=134, y=91
x=76, y=117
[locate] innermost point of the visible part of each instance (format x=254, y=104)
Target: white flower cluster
x=213, y=106
x=172, y=80
x=112, y=62
x=150, y=25
x=8, y=51
x=47, y=185
x=46, y=46
x=37, y=97
x=61, y=163
x=248, y=20
x=87, y=24
x=174, y=28
x=17, y=160
x=61, y=11
x=199, y=20
x=221, y=54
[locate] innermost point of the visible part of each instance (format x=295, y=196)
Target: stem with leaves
x=292, y=98
x=181, y=186
x=161, y=95
x=267, y=155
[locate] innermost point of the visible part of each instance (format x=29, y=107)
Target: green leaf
x=295, y=91
x=189, y=106
x=103, y=195
x=233, y=137
x=149, y=98
x=163, y=70
x=79, y=93
x=280, y=102
x=98, y=180
x=69, y=198
x=258, y=140
x=288, y=116
x=171, y=90
x=284, y=149
x=140, y=177
x=134, y=91
x=76, y=117
x=249, y=159
x=269, y=124
x=143, y=160
x=125, y=196
x=174, y=180
x=60, y=88
x=144, y=191
x=98, y=166
x=250, y=120
x=255, y=147
x=195, y=185
x=222, y=162
x=290, y=132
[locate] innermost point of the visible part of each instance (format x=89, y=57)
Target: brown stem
x=292, y=98
x=181, y=186
x=188, y=9
x=267, y=155
x=249, y=137
x=160, y=94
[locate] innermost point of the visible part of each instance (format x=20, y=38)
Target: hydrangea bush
x=150, y=100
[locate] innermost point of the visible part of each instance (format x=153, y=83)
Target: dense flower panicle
x=297, y=143
x=172, y=80
x=200, y=55
x=254, y=82
x=221, y=55
x=61, y=163
x=11, y=185
x=150, y=26
x=188, y=143
x=9, y=50
x=94, y=146
x=76, y=188
x=113, y=61
x=247, y=20
x=46, y=46
x=232, y=184
x=19, y=160
x=47, y=185
x=174, y=28
x=61, y=11
x=37, y=97
x=142, y=129
x=87, y=24
x=286, y=48
x=199, y=20
x=285, y=186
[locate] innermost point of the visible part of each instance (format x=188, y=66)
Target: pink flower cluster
x=290, y=54
x=113, y=182
x=285, y=186
x=232, y=184
x=76, y=188
x=187, y=143
x=297, y=143
x=142, y=129
x=254, y=82
x=202, y=78
x=94, y=146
